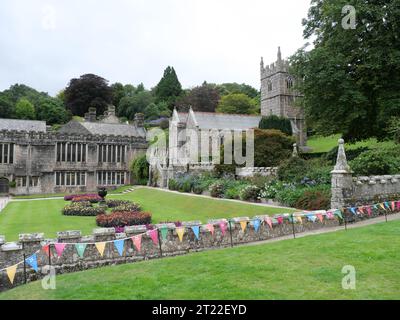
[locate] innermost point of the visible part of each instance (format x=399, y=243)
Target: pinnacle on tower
x=279, y=54
x=262, y=62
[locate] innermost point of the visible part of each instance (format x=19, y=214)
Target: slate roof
x=98, y=128
x=221, y=121
x=22, y=125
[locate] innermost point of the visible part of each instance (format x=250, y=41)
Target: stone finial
x=262, y=63
x=295, y=153
x=341, y=161
x=279, y=54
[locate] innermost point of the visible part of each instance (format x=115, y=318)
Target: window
x=6, y=153
x=289, y=82
x=33, y=181
x=20, y=181
x=110, y=178
x=77, y=178
x=111, y=153
x=269, y=85
x=70, y=152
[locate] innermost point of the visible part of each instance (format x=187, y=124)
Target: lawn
x=325, y=144
x=45, y=215
x=303, y=268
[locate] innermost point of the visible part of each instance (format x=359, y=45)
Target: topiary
x=278, y=123
x=140, y=169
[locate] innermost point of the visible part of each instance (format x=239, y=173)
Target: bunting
x=243, y=224
x=164, y=233
x=280, y=220
x=180, y=232
x=256, y=225
x=210, y=227
x=329, y=215
x=299, y=219
x=101, y=246
x=119, y=245
x=339, y=214
x=269, y=222
x=11, y=271
x=320, y=217
x=60, y=248
x=46, y=249
x=137, y=242
x=153, y=235
x=223, y=226
x=196, y=231
x=369, y=210
x=80, y=248
x=32, y=261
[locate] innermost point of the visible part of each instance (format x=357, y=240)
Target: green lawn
x=303, y=268
x=45, y=215
x=325, y=144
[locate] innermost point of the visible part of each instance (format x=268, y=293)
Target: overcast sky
x=46, y=43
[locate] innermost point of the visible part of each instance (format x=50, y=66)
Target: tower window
x=269, y=85
x=289, y=82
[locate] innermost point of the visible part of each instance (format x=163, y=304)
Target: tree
x=6, y=107
x=88, y=91
x=238, y=103
x=275, y=122
x=53, y=112
x=118, y=92
x=130, y=105
x=24, y=109
x=169, y=87
x=228, y=88
x=154, y=111
x=202, y=98
x=351, y=79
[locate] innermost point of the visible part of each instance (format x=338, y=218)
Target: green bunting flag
x=164, y=233
x=80, y=248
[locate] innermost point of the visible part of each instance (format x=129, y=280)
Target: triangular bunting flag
x=119, y=245
x=196, y=231
x=299, y=219
x=339, y=214
x=223, y=226
x=60, y=248
x=361, y=209
x=369, y=210
x=353, y=210
x=329, y=215
x=80, y=248
x=243, y=224
x=11, y=271
x=164, y=232
x=393, y=206
x=398, y=205
x=180, y=232
x=32, y=261
x=46, y=249
x=137, y=241
x=269, y=222
x=382, y=206
x=100, y=246
x=210, y=227
x=320, y=217
x=153, y=235
x=312, y=217
x=386, y=204
x=280, y=220
x=256, y=225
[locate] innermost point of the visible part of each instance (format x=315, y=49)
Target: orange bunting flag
x=100, y=246
x=11, y=271
x=320, y=217
x=137, y=241
x=269, y=221
x=210, y=227
x=46, y=248
x=393, y=206
x=361, y=209
x=180, y=231
x=243, y=224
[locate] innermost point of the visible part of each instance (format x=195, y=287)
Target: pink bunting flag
x=280, y=220
x=210, y=227
x=393, y=206
x=320, y=217
x=398, y=205
x=269, y=222
x=137, y=241
x=153, y=235
x=329, y=214
x=223, y=226
x=369, y=210
x=361, y=209
x=60, y=248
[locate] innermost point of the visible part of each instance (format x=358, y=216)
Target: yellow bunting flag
x=299, y=219
x=180, y=231
x=11, y=272
x=243, y=224
x=100, y=247
x=382, y=206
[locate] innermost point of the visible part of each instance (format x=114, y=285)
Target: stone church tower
x=278, y=96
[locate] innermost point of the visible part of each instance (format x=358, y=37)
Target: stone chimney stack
x=110, y=111
x=139, y=120
x=90, y=116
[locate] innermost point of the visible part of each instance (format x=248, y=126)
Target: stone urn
x=102, y=193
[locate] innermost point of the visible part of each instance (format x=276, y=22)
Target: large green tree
x=24, y=109
x=6, y=106
x=351, y=78
x=88, y=90
x=201, y=98
x=238, y=103
x=169, y=88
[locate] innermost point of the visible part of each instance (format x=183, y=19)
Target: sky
x=46, y=43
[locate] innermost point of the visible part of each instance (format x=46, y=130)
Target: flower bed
x=132, y=207
x=69, y=197
x=83, y=208
x=121, y=219
x=92, y=198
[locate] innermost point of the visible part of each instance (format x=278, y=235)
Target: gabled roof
x=22, y=125
x=98, y=128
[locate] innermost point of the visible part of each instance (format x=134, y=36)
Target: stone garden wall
x=215, y=234
x=252, y=171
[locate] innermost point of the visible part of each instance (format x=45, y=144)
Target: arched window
x=289, y=82
x=269, y=85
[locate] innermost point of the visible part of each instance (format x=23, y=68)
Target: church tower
x=278, y=96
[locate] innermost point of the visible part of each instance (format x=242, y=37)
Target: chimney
x=110, y=111
x=90, y=116
x=139, y=120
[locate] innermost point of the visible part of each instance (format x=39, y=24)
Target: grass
x=325, y=144
x=303, y=268
x=45, y=215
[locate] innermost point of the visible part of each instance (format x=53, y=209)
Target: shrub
x=314, y=199
x=198, y=189
x=82, y=209
x=250, y=193
x=224, y=170
x=172, y=185
x=127, y=207
x=377, y=162
x=140, y=170
x=278, y=123
x=92, y=198
x=351, y=154
x=69, y=197
x=217, y=189
x=122, y=219
x=112, y=203
x=291, y=169
x=233, y=192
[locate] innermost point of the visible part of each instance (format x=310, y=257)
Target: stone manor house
x=80, y=156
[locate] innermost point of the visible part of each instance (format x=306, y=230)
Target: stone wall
x=252, y=171
x=350, y=191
